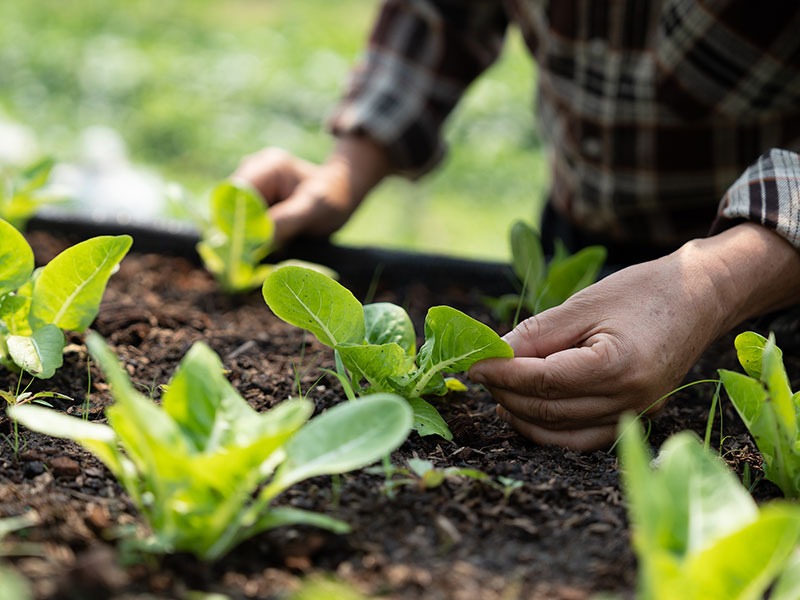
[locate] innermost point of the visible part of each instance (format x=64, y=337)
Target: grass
x=193, y=85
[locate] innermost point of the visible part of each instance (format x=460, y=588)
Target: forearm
x=359, y=164
x=750, y=269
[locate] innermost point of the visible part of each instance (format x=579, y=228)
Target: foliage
x=377, y=342
x=21, y=193
x=545, y=285
x=768, y=408
x=697, y=533
x=12, y=584
x=35, y=306
x=192, y=465
x=237, y=237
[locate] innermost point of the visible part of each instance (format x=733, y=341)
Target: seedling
x=35, y=306
x=237, y=237
x=194, y=465
x=697, y=533
x=377, y=343
x=21, y=194
x=768, y=407
x=545, y=285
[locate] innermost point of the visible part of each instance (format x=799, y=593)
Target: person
x=653, y=112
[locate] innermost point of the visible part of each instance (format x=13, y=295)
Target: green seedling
x=768, y=407
x=237, y=237
x=204, y=467
x=12, y=584
x=21, y=194
x=545, y=285
x=377, y=343
x=36, y=306
x=697, y=533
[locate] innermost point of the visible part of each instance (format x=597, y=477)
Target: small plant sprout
x=204, y=467
x=238, y=236
x=768, y=407
x=23, y=193
x=697, y=533
x=377, y=343
x=545, y=285
x=65, y=294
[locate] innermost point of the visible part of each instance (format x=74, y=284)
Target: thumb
x=551, y=331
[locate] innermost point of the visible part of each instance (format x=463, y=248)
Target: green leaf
x=14, y=585
x=68, y=291
x=34, y=176
x=750, y=351
x=240, y=235
x=454, y=342
x=345, y=437
x=427, y=420
x=40, y=353
x=768, y=408
x=16, y=258
x=310, y=300
x=14, y=311
x=386, y=322
x=568, y=276
x=527, y=257
x=788, y=584
x=95, y=437
x=744, y=564
x=693, y=522
x=378, y=364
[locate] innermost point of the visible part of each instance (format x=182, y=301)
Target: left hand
x=623, y=343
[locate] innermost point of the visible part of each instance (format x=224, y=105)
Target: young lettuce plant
x=697, y=533
x=21, y=194
x=237, y=237
x=35, y=306
x=768, y=407
x=194, y=465
x=545, y=285
x=376, y=343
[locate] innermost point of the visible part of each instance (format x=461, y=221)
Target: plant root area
x=562, y=533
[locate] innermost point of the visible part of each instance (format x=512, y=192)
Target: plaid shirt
x=652, y=109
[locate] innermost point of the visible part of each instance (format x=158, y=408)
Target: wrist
x=750, y=270
x=362, y=162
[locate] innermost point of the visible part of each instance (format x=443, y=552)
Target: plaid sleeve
x=768, y=192
x=421, y=56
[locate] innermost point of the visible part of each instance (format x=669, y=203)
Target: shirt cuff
x=768, y=193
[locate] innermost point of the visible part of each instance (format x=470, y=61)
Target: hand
x=314, y=199
x=623, y=343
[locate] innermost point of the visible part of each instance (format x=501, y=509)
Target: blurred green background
x=193, y=85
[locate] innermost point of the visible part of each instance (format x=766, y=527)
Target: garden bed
x=562, y=534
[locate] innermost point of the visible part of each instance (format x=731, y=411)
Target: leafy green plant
x=193, y=465
x=12, y=584
x=376, y=343
x=697, y=533
x=65, y=294
x=545, y=285
x=768, y=407
x=21, y=194
x=237, y=237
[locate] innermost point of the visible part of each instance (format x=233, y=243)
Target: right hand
x=309, y=199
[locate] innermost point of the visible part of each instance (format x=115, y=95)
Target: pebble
x=64, y=466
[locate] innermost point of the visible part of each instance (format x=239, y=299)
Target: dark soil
x=563, y=534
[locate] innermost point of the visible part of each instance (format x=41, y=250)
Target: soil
x=563, y=534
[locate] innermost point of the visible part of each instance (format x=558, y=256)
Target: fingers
x=594, y=369
x=274, y=173
x=559, y=415
x=582, y=440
